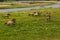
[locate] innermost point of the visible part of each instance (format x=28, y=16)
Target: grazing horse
x=6, y=15
x=37, y=14
x=10, y=22
x=34, y=14
x=48, y=16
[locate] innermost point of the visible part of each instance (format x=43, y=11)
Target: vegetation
x=5, y=5
x=29, y=0
x=31, y=28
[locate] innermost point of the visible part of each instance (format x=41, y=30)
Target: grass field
x=6, y=5
x=31, y=28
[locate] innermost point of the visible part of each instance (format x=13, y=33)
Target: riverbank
x=57, y=5
x=9, y=5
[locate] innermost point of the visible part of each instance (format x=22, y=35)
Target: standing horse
x=48, y=16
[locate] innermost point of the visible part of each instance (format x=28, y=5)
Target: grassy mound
x=31, y=28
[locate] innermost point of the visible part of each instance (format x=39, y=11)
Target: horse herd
x=47, y=15
x=13, y=20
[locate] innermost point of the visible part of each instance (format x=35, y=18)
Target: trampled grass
x=31, y=28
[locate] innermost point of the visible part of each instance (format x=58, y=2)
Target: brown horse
x=34, y=14
x=6, y=16
x=48, y=16
x=10, y=22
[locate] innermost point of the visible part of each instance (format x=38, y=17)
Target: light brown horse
x=6, y=16
x=34, y=14
x=48, y=16
x=10, y=22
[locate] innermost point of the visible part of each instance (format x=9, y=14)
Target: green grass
x=23, y=4
x=31, y=28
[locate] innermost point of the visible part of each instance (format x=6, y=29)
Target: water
x=29, y=8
